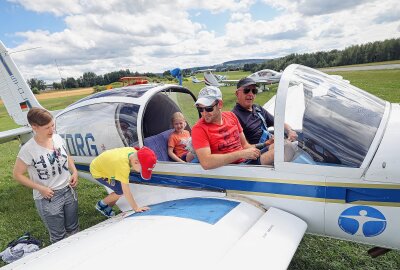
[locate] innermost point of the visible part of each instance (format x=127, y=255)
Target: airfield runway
x=372, y=67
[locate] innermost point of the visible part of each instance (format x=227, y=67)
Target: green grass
x=371, y=64
x=382, y=83
x=18, y=213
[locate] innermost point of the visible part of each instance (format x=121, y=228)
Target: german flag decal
x=25, y=106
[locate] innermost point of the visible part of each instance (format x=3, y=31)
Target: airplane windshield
x=130, y=91
x=126, y=122
x=338, y=121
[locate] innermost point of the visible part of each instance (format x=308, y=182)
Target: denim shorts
x=115, y=185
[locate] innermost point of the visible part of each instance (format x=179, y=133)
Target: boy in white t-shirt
x=52, y=176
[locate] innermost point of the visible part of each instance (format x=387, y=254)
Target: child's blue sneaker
x=105, y=210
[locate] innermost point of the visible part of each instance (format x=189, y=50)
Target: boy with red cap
x=112, y=167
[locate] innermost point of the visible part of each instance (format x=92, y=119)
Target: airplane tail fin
x=177, y=73
x=14, y=91
x=211, y=79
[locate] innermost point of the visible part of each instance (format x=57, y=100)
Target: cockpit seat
x=159, y=144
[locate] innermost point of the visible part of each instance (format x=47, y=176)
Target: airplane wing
x=229, y=82
x=195, y=80
x=191, y=233
x=264, y=81
x=12, y=134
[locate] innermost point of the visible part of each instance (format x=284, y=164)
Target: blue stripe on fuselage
x=5, y=65
x=312, y=191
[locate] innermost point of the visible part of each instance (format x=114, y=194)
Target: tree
x=71, y=83
x=35, y=83
x=89, y=79
x=57, y=85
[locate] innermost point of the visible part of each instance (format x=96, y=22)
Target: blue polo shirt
x=251, y=122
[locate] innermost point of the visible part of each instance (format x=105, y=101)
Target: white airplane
x=262, y=77
x=343, y=182
x=195, y=80
x=268, y=76
x=215, y=79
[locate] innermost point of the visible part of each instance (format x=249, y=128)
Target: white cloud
x=58, y=8
x=153, y=36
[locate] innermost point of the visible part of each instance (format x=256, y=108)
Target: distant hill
x=229, y=65
x=245, y=61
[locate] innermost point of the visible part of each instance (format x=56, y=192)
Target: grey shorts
x=60, y=213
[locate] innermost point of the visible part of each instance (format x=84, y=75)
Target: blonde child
x=178, y=139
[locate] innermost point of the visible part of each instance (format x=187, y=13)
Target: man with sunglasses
x=217, y=137
x=255, y=121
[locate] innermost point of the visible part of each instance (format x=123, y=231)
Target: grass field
x=373, y=64
x=18, y=213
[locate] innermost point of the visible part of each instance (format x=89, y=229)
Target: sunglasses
x=247, y=90
x=207, y=109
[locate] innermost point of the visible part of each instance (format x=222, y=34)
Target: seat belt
x=265, y=134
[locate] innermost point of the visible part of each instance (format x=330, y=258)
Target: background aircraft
x=133, y=80
x=215, y=79
x=262, y=77
x=268, y=76
x=343, y=181
x=195, y=80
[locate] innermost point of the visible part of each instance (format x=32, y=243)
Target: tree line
x=377, y=51
x=88, y=79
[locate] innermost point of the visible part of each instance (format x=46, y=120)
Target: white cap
x=208, y=95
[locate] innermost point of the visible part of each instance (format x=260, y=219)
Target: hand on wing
x=141, y=209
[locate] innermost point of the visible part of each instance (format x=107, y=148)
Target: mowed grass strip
x=18, y=213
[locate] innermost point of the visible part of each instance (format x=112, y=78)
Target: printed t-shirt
x=48, y=167
x=178, y=142
x=220, y=138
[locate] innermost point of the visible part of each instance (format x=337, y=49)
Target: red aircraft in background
x=133, y=80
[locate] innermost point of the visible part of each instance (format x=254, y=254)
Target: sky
x=53, y=38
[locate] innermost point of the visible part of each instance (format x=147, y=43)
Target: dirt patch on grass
x=59, y=93
x=55, y=94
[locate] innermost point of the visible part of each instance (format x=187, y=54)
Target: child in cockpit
x=179, y=139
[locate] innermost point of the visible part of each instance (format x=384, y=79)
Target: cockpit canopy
x=337, y=121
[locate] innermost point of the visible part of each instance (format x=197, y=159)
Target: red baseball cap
x=147, y=160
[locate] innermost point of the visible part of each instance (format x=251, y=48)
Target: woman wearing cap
x=112, y=167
